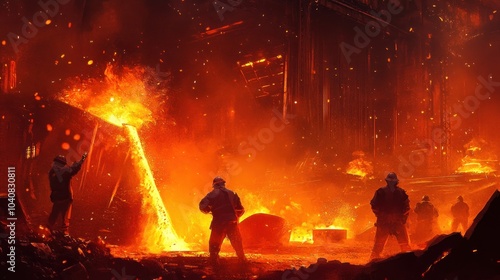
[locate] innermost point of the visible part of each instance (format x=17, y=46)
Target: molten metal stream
x=159, y=234
x=118, y=99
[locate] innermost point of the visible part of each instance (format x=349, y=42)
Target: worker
x=426, y=219
x=460, y=212
x=391, y=206
x=226, y=209
x=61, y=195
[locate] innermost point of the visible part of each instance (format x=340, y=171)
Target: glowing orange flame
x=360, y=167
x=343, y=220
x=302, y=234
x=253, y=205
x=476, y=160
x=118, y=99
x=474, y=166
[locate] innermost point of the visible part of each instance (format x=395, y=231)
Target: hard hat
x=392, y=177
x=425, y=198
x=60, y=159
x=218, y=180
x=460, y=198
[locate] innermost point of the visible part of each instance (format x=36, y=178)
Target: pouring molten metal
x=119, y=100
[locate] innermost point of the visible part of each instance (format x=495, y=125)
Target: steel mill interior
x=303, y=107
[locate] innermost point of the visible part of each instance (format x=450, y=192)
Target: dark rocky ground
x=474, y=255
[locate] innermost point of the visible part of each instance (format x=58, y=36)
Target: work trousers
x=459, y=221
x=61, y=209
x=219, y=232
x=382, y=234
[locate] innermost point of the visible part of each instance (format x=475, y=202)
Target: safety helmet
x=60, y=159
x=218, y=180
x=425, y=198
x=460, y=198
x=392, y=177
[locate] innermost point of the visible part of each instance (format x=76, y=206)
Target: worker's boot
x=242, y=259
x=214, y=259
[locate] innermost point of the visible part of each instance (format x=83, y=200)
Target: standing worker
x=61, y=192
x=391, y=206
x=226, y=208
x=426, y=219
x=460, y=212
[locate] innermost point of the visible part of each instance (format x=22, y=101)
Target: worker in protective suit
x=391, y=206
x=426, y=219
x=226, y=208
x=460, y=212
x=61, y=195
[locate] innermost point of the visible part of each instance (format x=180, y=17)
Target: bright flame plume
x=121, y=101
x=477, y=160
x=359, y=166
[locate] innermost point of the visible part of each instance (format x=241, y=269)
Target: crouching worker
x=226, y=209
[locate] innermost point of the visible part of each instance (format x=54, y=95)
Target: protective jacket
x=60, y=177
x=224, y=204
x=426, y=211
x=390, y=207
x=460, y=210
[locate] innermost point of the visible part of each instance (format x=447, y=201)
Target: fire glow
x=474, y=166
x=119, y=102
x=342, y=220
x=359, y=166
x=304, y=234
x=476, y=159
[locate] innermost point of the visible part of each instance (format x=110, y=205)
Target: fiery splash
x=254, y=205
x=121, y=100
x=476, y=159
x=343, y=219
x=359, y=166
x=474, y=166
x=304, y=233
